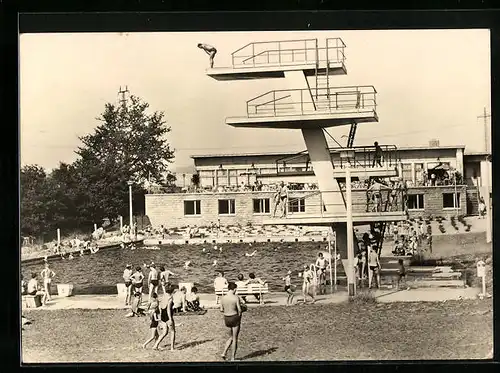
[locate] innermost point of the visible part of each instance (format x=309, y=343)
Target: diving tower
x=312, y=103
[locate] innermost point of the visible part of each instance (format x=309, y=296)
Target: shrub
x=363, y=297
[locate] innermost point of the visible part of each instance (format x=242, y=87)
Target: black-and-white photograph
x=255, y=196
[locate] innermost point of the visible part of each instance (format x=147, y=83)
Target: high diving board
x=275, y=71
x=301, y=119
x=328, y=218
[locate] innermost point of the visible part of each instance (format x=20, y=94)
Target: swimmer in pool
x=231, y=308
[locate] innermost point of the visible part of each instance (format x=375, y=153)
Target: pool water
x=100, y=272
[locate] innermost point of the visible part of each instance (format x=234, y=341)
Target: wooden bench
x=250, y=289
x=32, y=301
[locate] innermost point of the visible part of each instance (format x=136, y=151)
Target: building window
x=192, y=207
x=406, y=168
x=450, y=201
x=226, y=206
x=415, y=201
x=261, y=206
x=207, y=178
x=222, y=177
x=297, y=205
x=233, y=177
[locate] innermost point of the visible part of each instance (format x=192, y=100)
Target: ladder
x=352, y=133
x=322, y=83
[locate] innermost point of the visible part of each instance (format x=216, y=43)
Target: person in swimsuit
x=283, y=198
x=127, y=273
x=211, y=51
x=373, y=267
x=164, y=276
x=193, y=300
x=230, y=306
x=321, y=266
x=288, y=288
x=137, y=281
x=153, y=326
x=179, y=299
x=307, y=284
x=153, y=281
x=167, y=320
x=47, y=275
x=401, y=274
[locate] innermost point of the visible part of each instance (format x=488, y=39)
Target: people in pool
x=167, y=320
x=127, y=274
x=232, y=309
x=288, y=288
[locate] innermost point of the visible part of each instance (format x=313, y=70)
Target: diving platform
x=270, y=59
x=266, y=71
x=328, y=219
x=309, y=108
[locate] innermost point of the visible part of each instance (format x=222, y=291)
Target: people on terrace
x=377, y=156
x=211, y=51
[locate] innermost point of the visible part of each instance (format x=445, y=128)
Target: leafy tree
x=132, y=138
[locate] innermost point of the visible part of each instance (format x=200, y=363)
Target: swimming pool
x=100, y=272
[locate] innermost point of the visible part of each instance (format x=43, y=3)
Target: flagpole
x=335, y=270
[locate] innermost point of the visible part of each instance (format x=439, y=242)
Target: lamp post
x=130, y=183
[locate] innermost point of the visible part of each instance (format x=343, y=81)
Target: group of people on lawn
x=33, y=288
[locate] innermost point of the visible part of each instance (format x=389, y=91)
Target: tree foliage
x=130, y=144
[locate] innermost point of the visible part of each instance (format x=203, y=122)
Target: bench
x=32, y=301
x=250, y=289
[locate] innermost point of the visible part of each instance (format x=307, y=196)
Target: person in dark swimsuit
x=231, y=307
x=153, y=280
x=211, y=51
x=288, y=288
x=137, y=281
x=128, y=282
x=153, y=326
x=167, y=318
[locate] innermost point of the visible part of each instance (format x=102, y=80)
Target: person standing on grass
x=307, y=284
x=164, y=278
x=288, y=288
x=128, y=283
x=401, y=274
x=211, y=51
x=167, y=320
x=47, y=276
x=321, y=266
x=373, y=267
x=153, y=280
x=153, y=325
x=232, y=309
x=137, y=282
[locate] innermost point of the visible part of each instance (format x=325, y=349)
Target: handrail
x=306, y=89
x=274, y=100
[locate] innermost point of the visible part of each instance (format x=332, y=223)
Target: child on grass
x=288, y=288
x=153, y=325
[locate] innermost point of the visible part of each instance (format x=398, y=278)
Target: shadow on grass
x=259, y=353
x=192, y=344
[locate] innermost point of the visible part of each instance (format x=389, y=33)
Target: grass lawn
x=395, y=331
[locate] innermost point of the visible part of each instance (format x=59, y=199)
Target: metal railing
x=350, y=99
x=354, y=157
x=363, y=201
x=288, y=52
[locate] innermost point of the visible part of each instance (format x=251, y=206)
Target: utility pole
x=485, y=117
x=121, y=92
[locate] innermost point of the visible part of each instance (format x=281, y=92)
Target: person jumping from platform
x=211, y=51
x=377, y=157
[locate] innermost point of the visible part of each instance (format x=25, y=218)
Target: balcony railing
x=351, y=99
x=363, y=201
x=354, y=157
x=288, y=52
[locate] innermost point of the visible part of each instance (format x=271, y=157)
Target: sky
x=431, y=84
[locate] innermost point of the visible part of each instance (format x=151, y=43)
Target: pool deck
x=273, y=299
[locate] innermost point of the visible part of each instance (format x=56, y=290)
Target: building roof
x=477, y=153
x=425, y=147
